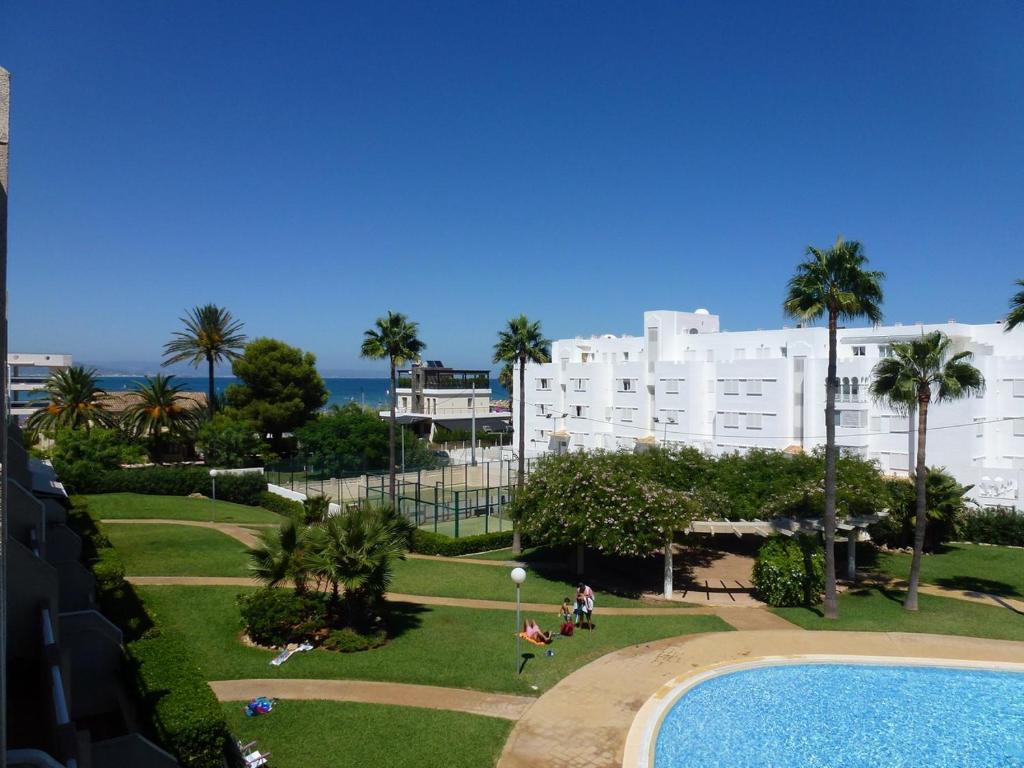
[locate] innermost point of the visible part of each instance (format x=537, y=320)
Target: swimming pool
x=827, y=715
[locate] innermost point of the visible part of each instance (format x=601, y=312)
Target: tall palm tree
x=920, y=372
x=76, y=400
x=353, y=552
x=1016, y=315
x=160, y=409
x=520, y=342
x=834, y=282
x=210, y=334
x=393, y=338
x=281, y=555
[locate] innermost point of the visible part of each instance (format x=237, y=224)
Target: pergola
x=855, y=529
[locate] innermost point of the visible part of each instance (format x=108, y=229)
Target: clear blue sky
x=312, y=165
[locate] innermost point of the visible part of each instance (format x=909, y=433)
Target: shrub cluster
x=178, y=708
x=282, y=506
x=168, y=481
x=790, y=571
x=281, y=616
x=992, y=526
x=430, y=543
x=347, y=640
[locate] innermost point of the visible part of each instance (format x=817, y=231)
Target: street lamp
x=213, y=495
x=518, y=577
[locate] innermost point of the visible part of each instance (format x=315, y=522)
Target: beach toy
x=259, y=706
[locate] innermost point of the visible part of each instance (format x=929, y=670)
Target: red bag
x=567, y=628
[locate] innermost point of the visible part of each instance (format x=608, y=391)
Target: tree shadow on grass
x=974, y=584
x=404, y=617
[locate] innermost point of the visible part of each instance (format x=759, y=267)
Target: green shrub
x=280, y=616
x=429, y=543
x=992, y=526
x=175, y=700
x=228, y=441
x=108, y=568
x=282, y=506
x=790, y=571
x=169, y=481
x=347, y=640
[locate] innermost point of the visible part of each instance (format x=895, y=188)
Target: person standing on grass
x=584, y=605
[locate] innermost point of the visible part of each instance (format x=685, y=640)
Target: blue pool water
x=847, y=716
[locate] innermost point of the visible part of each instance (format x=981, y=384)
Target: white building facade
x=686, y=382
x=27, y=375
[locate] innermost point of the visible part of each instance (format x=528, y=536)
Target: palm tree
x=76, y=400
x=520, y=342
x=920, y=372
x=1016, y=316
x=160, y=408
x=836, y=283
x=210, y=334
x=393, y=338
x=353, y=552
x=281, y=555
x=506, y=377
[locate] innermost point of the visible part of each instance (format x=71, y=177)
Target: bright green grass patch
x=529, y=554
x=329, y=734
x=129, y=506
x=434, y=645
x=485, y=582
x=177, y=550
x=997, y=570
x=470, y=526
x=881, y=610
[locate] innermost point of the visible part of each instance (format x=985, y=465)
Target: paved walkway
x=596, y=704
x=505, y=706
x=981, y=598
x=237, y=531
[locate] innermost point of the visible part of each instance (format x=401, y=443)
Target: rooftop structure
x=686, y=382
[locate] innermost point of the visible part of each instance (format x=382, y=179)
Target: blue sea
x=372, y=392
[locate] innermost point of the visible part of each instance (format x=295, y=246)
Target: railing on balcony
x=449, y=380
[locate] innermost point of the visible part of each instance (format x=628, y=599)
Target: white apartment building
x=26, y=381
x=684, y=381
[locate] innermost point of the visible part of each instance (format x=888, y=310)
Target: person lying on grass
x=533, y=632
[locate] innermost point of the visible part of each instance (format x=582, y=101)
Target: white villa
x=684, y=381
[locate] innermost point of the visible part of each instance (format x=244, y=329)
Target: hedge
x=179, y=709
x=429, y=543
x=282, y=506
x=789, y=572
x=993, y=526
x=171, y=481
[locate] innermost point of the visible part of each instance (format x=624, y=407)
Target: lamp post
x=472, y=417
x=518, y=577
x=213, y=495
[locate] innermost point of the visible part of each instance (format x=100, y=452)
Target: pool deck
x=585, y=720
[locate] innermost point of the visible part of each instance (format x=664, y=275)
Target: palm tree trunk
x=922, y=512
x=211, y=402
x=831, y=604
x=517, y=544
x=391, y=435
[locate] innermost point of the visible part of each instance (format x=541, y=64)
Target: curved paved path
x=505, y=706
x=596, y=704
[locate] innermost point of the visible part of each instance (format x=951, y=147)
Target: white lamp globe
x=518, y=575
x=213, y=473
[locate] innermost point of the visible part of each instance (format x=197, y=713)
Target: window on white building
x=784, y=351
x=579, y=385
x=886, y=424
x=539, y=434
x=731, y=387
x=753, y=387
x=1018, y=427
x=859, y=351
x=625, y=356
x=853, y=419
x=883, y=350
x=672, y=417
x=731, y=420
x=652, y=335
x=711, y=386
x=624, y=414
x=876, y=423
x=710, y=417
x=979, y=427
x=579, y=411
x=672, y=386
x=627, y=385
x=753, y=421
x=543, y=384
x=1018, y=387
x=541, y=409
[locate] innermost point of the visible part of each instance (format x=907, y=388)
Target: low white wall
x=332, y=508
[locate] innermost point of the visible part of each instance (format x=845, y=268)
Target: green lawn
x=177, y=550
x=470, y=526
x=437, y=645
x=485, y=582
x=881, y=610
x=127, y=506
x=997, y=570
x=529, y=554
x=330, y=734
